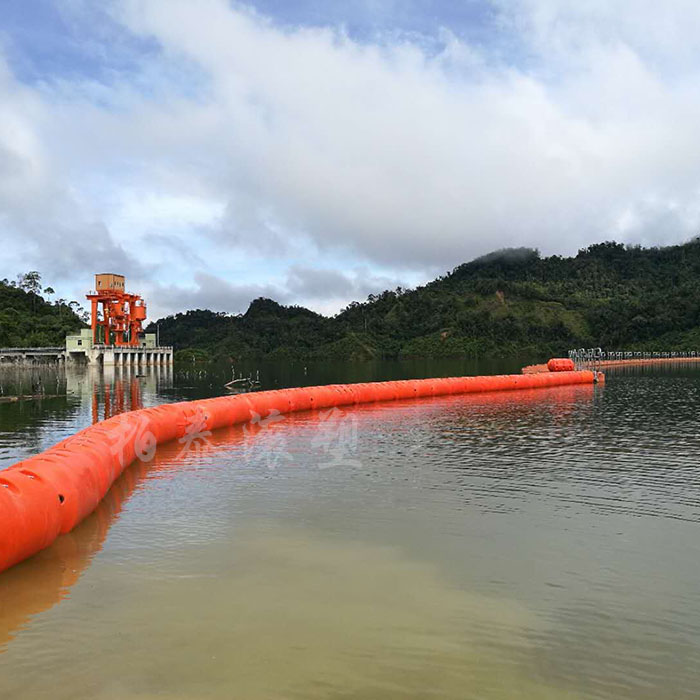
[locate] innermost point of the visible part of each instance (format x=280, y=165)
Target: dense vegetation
x=506, y=303
x=28, y=319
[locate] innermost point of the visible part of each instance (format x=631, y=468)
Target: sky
x=317, y=152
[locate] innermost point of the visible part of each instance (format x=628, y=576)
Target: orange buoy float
x=49, y=494
x=561, y=364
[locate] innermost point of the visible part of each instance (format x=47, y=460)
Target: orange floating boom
x=561, y=364
x=49, y=494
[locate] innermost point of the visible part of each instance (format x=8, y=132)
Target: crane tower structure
x=116, y=316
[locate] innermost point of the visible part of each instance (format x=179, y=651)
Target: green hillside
x=29, y=319
x=506, y=303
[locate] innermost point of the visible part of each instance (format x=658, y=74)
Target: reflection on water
x=530, y=545
x=89, y=395
x=44, y=580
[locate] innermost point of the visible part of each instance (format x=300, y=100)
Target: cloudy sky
x=316, y=152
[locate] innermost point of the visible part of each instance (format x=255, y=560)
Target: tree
x=27, y=320
x=30, y=281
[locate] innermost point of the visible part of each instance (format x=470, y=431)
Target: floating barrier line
x=47, y=495
x=643, y=362
x=595, y=358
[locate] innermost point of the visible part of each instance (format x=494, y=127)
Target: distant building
x=116, y=336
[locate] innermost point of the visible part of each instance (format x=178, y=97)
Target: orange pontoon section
x=49, y=494
x=561, y=364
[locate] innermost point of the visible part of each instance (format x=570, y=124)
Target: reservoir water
x=525, y=545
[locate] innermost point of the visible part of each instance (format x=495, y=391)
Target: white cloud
x=325, y=290
x=665, y=33
x=42, y=224
x=207, y=292
x=309, y=155
x=380, y=150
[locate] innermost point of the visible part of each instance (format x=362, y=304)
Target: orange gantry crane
x=117, y=316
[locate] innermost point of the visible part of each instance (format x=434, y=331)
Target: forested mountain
x=506, y=303
x=28, y=319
